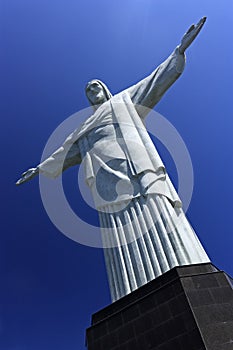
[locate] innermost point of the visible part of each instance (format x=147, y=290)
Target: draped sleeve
x=64, y=157
x=149, y=91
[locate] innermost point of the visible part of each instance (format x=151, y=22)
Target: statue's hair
x=105, y=89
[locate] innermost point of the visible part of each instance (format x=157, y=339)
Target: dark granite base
x=187, y=308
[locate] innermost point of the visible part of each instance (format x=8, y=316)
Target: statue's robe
x=143, y=226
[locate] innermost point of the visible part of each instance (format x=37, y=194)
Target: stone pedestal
x=187, y=308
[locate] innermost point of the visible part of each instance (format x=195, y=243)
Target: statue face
x=95, y=93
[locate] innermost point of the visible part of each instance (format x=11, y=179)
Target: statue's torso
x=115, y=178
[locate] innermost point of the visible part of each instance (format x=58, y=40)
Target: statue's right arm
x=62, y=159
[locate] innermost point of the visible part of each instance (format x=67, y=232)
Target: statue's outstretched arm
x=63, y=158
x=150, y=90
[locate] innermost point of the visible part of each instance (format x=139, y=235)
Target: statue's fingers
x=201, y=23
x=22, y=180
x=202, y=20
x=28, y=172
x=199, y=26
x=190, y=29
x=19, y=181
x=199, y=29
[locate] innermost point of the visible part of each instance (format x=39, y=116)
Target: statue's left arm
x=149, y=91
x=63, y=158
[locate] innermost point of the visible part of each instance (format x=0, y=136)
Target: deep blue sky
x=51, y=285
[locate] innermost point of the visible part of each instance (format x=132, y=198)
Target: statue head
x=97, y=93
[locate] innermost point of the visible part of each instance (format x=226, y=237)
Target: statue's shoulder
x=121, y=96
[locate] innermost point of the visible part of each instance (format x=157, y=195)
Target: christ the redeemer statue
x=147, y=231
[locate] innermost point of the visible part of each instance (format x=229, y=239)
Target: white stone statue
x=147, y=231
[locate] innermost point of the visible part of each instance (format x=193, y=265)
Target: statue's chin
x=99, y=101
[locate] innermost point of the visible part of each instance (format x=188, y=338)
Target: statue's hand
x=28, y=175
x=190, y=35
